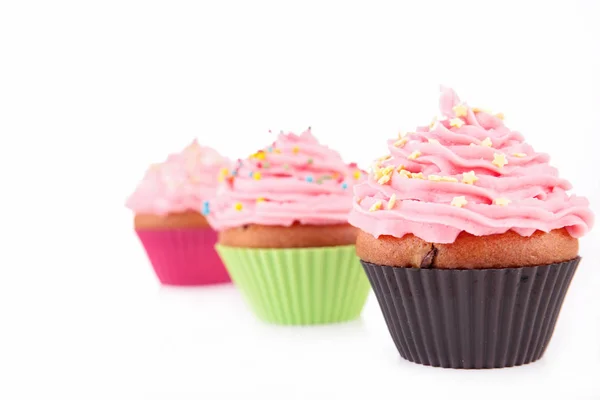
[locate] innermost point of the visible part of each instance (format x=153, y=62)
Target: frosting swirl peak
x=466, y=172
x=296, y=179
x=185, y=181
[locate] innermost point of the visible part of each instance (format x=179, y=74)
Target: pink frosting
x=524, y=195
x=296, y=179
x=184, y=181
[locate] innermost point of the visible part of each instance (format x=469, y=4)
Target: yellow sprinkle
x=500, y=116
x=259, y=155
x=260, y=200
x=238, y=206
x=433, y=141
x=277, y=151
x=384, y=179
x=469, y=178
x=357, y=174
x=519, y=155
x=388, y=170
x=415, y=154
x=478, y=110
x=460, y=110
x=405, y=174
x=456, y=122
x=499, y=160
x=377, y=172
x=433, y=124
x=459, y=201
x=434, y=178
x=223, y=173
x=417, y=176
x=501, y=201
x=449, y=179
x=401, y=142
x=384, y=158
x=296, y=149
x=487, y=142
x=376, y=206
x=400, y=168
x=391, y=202
x=256, y=176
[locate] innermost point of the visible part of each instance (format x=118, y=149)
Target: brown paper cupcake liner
x=473, y=319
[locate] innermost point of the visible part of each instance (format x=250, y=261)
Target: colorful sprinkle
x=259, y=155
x=502, y=202
x=400, y=142
x=376, y=206
x=309, y=179
x=459, y=201
x=277, y=151
x=344, y=186
x=270, y=149
x=499, y=160
x=260, y=200
x=487, y=142
x=456, y=122
x=449, y=179
x=384, y=179
x=205, y=208
x=266, y=164
x=286, y=166
x=414, y=155
x=238, y=206
x=405, y=174
x=223, y=174
x=309, y=161
x=469, y=178
x=391, y=202
x=296, y=149
x=357, y=174
x=519, y=155
x=251, y=174
x=460, y=110
x=257, y=176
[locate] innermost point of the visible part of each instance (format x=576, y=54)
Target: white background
x=91, y=92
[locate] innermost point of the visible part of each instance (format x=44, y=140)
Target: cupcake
x=170, y=205
x=469, y=240
x=282, y=217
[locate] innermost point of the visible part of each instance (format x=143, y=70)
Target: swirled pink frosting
x=296, y=179
x=523, y=195
x=184, y=181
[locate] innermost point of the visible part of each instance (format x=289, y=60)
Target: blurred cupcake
x=469, y=240
x=170, y=205
x=283, y=233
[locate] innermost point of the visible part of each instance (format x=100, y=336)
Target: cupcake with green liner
x=282, y=219
x=470, y=241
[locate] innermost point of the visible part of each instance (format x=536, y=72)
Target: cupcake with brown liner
x=282, y=217
x=469, y=239
x=170, y=205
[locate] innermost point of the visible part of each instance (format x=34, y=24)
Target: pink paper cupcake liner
x=184, y=257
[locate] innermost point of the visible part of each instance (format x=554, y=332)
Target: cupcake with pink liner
x=469, y=239
x=283, y=233
x=171, y=204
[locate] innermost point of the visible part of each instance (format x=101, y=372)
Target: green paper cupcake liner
x=302, y=286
